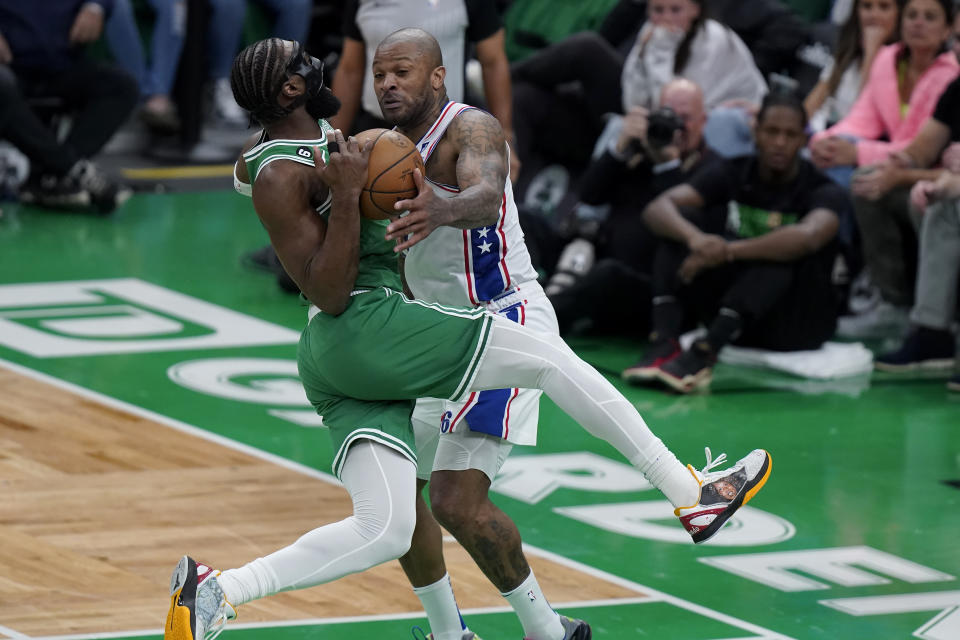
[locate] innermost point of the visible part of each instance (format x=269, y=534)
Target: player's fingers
x=398, y=227
x=404, y=205
x=413, y=239
x=418, y=180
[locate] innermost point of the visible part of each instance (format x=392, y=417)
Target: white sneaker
x=198, y=608
x=882, y=321
x=723, y=492
x=225, y=107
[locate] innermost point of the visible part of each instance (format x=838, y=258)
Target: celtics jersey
x=378, y=262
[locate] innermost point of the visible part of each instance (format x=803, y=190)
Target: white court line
x=171, y=422
x=647, y=595
x=14, y=635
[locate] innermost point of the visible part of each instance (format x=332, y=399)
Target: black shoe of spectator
x=954, y=383
x=105, y=193
x=55, y=192
x=660, y=352
x=923, y=349
x=262, y=259
x=265, y=259
x=691, y=370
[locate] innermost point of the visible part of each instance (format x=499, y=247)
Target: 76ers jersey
x=485, y=267
x=467, y=267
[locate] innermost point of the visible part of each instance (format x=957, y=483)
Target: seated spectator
x=766, y=282
x=905, y=81
x=873, y=24
x=292, y=22
x=931, y=344
x=41, y=57
x=680, y=40
x=638, y=164
x=156, y=75
x=888, y=225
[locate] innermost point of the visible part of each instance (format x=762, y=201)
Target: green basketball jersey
x=378, y=263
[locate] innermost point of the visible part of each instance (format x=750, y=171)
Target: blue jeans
x=226, y=27
x=123, y=37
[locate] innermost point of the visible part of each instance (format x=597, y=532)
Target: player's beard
x=323, y=104
x=418, y=112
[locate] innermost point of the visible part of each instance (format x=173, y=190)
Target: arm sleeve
x=483, y=20
x=829, y=196
x=713, y=181
x=349, y=25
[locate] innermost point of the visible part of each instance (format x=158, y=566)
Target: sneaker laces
x=224, y=610
x=704, y=473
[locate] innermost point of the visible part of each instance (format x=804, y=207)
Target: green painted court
x=856, y=535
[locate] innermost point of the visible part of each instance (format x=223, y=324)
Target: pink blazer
x=877, y=111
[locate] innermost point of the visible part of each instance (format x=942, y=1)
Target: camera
x=661, y=125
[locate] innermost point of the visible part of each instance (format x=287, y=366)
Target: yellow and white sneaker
x=198, y=608
x=723, y=492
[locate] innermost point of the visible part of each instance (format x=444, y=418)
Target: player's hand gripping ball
x=389, y=172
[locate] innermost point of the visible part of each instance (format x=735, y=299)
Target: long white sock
x=441, y=608
x=517, y=356
x=539, y=620
x=382, y=483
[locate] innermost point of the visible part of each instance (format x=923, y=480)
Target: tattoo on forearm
x=481, y=168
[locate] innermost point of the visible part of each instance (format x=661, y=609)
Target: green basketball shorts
x=363, y=370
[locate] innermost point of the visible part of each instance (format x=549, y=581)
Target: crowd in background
x=777, y=172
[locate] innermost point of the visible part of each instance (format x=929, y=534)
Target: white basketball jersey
x=467, y=267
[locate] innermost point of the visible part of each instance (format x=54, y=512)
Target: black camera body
x=661, y=125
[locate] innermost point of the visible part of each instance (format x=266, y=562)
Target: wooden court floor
x=99, y=503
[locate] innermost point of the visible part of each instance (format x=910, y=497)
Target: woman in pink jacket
x=905, y=82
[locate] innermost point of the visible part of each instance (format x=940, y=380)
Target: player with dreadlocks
x=368, y=352
x=282, y=88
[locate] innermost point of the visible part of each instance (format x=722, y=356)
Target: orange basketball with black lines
x=389, y=172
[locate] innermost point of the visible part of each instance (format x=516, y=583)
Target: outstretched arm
x=481, y=175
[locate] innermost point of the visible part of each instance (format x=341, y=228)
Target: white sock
x=250, y=582
x=517, y=356
x=441, y=608
x=539, y=620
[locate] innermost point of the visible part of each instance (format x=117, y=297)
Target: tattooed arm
x=481, y=169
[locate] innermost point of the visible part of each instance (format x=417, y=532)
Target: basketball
x=389, y=172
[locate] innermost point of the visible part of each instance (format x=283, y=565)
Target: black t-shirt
x=948, y=109
x=483, y=20
x=755, y=207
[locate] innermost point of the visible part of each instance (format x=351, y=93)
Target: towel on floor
x=832, y=360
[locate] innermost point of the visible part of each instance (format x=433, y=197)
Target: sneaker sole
x=942, y=364
x=750, y=489
x=640, y=374
x=953, y=386
x=182, y=616
x=687, y=384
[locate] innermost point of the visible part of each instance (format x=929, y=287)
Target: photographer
x=651, y=153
